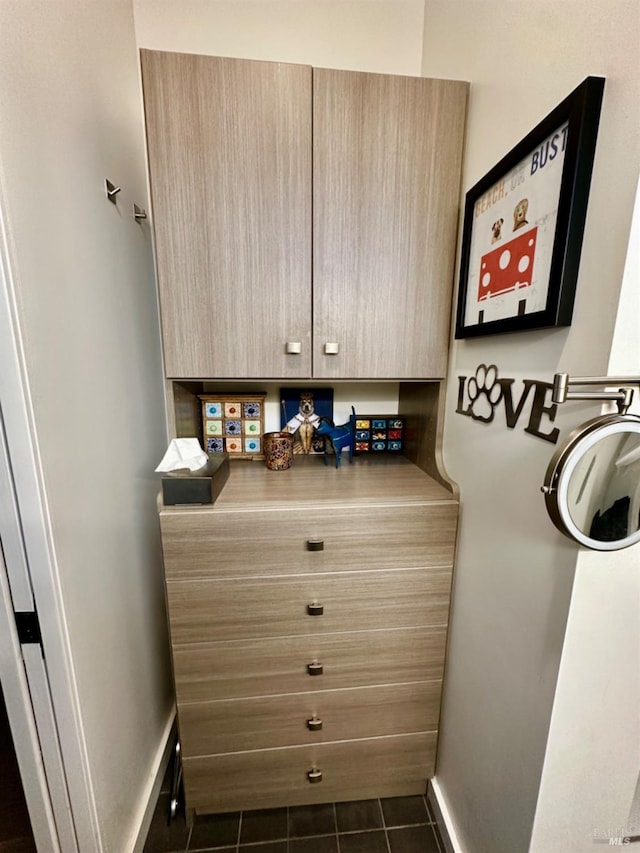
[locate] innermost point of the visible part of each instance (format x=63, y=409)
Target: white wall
x=515, y=572
x=591, y=792
x=70, y=116
x=358, y=35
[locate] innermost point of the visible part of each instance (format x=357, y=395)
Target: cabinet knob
x=315, y=609
x=293, y=348
x=315, y=544
x=314, y=668
x=314, y=724
x=314, y=775
x=331, y=348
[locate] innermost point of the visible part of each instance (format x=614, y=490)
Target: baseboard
x=150, y=797
x=440, y=812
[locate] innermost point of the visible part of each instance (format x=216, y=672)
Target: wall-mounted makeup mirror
x=592, y=484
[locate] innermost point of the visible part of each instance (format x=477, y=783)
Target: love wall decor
x=480, y=396
x=524, y=223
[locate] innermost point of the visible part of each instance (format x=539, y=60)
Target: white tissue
x=183, y=453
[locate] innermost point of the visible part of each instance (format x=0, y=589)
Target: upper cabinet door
x=386, y=169
x=229, y=145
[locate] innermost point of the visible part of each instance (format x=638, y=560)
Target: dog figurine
x=337, y=437
x=496, y=230
x=304, y=422
x=520, y=214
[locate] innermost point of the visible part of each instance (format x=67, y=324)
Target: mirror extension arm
x=563, y=383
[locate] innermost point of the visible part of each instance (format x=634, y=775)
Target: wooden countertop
x=309, y=482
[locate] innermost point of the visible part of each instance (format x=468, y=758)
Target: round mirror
x=592, y=484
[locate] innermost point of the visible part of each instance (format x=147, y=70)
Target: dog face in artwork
x=303, y=423
x=496, y=230
x=306, y=404
x=520, y=214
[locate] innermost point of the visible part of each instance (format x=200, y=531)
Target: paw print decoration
x=485, y=392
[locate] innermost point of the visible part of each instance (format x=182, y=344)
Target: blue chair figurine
x=337, y=437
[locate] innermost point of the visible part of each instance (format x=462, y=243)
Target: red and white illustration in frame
x=514, y=225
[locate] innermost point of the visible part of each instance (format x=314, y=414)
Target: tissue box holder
x=196, y=487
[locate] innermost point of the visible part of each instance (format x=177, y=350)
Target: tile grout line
x=368, y=831
x=239, y=831
x=384, y=826
x=432, y=822
x=435, y=835
x=430, y=816
x=189, y=834
x=335, y=822
x=363, y=830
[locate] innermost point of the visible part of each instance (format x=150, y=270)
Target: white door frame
x=25, y=683
x=49, y=738
x=22, y=723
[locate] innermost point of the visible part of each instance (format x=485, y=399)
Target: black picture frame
x=498, y=276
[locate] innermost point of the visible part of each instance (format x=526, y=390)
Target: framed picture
x=300, y=412
x=524, y=222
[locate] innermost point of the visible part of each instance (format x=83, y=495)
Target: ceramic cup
x=278, y=450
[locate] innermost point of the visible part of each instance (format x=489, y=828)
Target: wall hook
x=139, y=213
x=112, y=191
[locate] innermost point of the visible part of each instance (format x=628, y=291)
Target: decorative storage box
x=379, y=433
x=233, y=424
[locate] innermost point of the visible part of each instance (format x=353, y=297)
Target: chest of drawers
x=308, y=612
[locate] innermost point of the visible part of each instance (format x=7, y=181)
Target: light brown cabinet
x=229, y=145
x=351, y=770
x=386, y=178
x=284, y=252
x=332, y=665
x=305, y=224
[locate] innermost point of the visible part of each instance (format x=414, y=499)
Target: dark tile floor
x=397, y=825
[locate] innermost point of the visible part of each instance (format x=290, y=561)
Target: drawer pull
x=315, y=544
x=314, y=724
x=314, y=775
x=315, y=609
x=314, y=668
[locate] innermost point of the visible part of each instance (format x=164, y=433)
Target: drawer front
x=242, y=668
x=263, y=722
x=350, y=770
x=276, y=542
x=238, y=608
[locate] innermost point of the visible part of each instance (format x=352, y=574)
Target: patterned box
x=234, y=423
x=379, y=433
